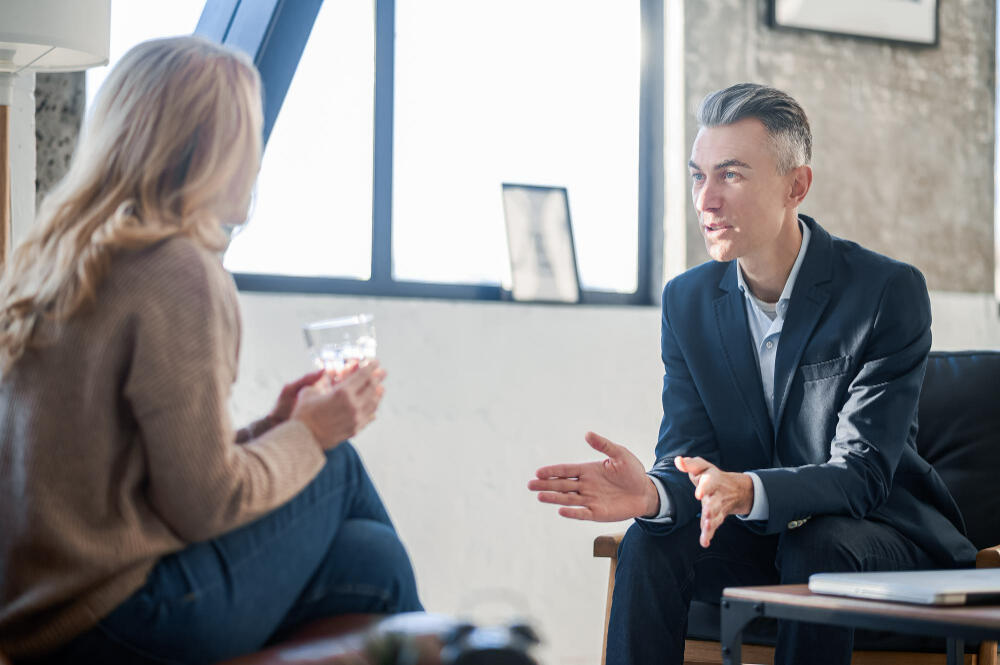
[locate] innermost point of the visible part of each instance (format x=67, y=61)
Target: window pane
x=133, y=22
x=543, y=93
x=312, y=213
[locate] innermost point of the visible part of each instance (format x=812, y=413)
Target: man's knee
x=827, y=543
x=644, y=554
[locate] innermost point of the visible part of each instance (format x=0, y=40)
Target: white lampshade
x=54, y=35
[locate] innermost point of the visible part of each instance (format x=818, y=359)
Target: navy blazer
x=847, y=378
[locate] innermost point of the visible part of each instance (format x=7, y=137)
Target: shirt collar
x=786, y=293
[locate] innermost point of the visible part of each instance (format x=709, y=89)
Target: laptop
x=926, y=587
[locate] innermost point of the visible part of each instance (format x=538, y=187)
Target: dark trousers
x=658, y=576
x=330, y=550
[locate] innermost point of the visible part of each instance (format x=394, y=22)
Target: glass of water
x=334, y=343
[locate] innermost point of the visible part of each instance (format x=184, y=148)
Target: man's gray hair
x=782, y=116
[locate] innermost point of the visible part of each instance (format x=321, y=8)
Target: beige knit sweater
x=116, y=446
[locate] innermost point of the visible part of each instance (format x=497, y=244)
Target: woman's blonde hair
x=171, y=148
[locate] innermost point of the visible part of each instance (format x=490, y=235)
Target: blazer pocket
x=826, y=369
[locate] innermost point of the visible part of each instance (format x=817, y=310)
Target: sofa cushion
x=959, y=434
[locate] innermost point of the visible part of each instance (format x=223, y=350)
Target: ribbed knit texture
x=116, y=446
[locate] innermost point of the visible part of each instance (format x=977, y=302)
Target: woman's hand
x=334, y=411
x=282, y=410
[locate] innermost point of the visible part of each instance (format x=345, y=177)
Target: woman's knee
x=373, y=556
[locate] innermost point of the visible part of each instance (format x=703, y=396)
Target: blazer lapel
x=809, y=298
x=737, y=347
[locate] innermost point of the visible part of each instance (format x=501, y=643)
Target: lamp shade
x=54, y=35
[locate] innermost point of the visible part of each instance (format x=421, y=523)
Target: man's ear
x=802, y=177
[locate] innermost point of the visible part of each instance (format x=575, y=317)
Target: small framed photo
x=540, y=243
x=907, y=21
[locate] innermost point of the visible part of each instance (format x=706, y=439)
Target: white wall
x=22, y=156
x=481, y=394
x=478, y=396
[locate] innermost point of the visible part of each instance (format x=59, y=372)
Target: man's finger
x=693, y=465
x=603, y=445
x=554, y=485
x=577, y=513
x=703, y=485
x=560, y=498
x=709, y=527
x=559, y=471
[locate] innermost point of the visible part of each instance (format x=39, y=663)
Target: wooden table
x=740, y=605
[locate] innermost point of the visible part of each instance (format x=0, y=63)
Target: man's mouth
x=717, y=226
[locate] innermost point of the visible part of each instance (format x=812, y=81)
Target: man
x=792, y=368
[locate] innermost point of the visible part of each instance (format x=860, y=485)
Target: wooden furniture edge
x=607, y=545
x=704, y=652
x=989, y=557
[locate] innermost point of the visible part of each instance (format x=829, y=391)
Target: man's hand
x=721, y=493
x=609, y=490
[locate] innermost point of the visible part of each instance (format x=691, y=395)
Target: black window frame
x=274, y=33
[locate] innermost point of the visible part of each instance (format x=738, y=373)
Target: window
x=312, y=212
x=134, y=22
x=521, y=91
x=382, y=172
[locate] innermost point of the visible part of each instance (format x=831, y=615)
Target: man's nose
x=707, y=198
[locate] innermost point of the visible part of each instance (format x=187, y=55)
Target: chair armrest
x=987, y=558
x=607, y=545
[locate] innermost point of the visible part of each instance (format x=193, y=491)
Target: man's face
x=740, y=197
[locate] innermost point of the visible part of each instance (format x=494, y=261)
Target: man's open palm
x=610, y=490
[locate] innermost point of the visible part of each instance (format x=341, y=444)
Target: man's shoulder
x=857, y=264
x=700, y=279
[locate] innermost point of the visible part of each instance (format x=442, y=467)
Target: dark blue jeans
x=328, y=551
x=658, y=576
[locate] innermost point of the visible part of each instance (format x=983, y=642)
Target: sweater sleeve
x=183, y=357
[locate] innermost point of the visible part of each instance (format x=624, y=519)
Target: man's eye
x=732, y=175
x=697, y=177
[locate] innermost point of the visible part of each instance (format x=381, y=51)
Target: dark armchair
x=959, y=418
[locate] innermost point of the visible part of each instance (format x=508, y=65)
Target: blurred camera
x=493, y=645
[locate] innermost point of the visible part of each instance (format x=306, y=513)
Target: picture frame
x=912, y=22
x=540, y=244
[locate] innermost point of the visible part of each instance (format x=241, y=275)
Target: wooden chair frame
x=702, y=652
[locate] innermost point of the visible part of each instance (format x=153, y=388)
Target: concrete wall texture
x=59, y=107
x=903, y=135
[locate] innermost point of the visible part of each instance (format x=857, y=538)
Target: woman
x=137, y=526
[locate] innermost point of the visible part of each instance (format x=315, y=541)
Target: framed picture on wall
x=540, y=243
x=907, y=21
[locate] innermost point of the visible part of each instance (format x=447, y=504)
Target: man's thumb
x=602, y=445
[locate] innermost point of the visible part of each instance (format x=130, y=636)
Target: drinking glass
x=334, y=343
